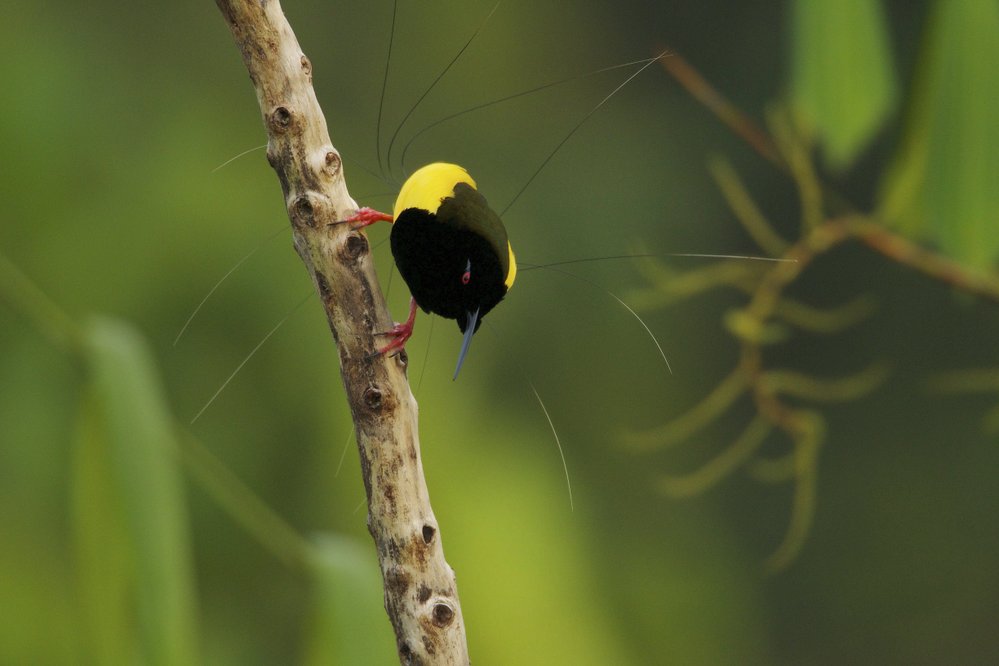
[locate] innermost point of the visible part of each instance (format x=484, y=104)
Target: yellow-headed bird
x=450, y=247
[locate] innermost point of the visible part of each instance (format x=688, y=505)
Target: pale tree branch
x=421, y=596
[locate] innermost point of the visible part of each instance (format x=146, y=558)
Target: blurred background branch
x=841, y=110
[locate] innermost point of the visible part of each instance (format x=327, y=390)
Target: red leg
x=400, y=332
x=367, y=216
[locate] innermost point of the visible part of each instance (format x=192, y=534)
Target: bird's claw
x=367, y=216
x=400, y=334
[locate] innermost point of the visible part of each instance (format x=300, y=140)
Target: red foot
x=367, y=216
x=400, y=333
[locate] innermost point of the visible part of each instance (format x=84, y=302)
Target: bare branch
x=421, y=596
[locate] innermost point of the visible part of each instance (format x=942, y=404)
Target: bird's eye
x=466, y=277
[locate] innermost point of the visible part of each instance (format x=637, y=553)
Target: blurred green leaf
x=943, y=184
x=127, y=428
x=102, y=565
x=843, y=84
x=349, y=625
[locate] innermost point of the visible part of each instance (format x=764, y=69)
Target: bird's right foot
x=367, y=216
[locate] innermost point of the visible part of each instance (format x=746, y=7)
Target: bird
x=451, y=250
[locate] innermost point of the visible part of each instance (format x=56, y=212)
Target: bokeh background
x=241, y=539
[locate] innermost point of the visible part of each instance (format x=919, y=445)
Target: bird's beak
x=473, y=318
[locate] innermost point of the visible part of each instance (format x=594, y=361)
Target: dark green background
x=114, y=117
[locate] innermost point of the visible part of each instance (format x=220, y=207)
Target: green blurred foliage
x=843, y=73
x=117, y=115
x=943, y=186
x=129, y=491
x=349, y=625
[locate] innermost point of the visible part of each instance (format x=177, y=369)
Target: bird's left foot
x=400, y=333
x=367, y=216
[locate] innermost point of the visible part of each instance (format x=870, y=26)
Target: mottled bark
x=421, y=596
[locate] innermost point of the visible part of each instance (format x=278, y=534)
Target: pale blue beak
x=473, y=319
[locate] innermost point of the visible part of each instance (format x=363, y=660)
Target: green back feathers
x=449, y=193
